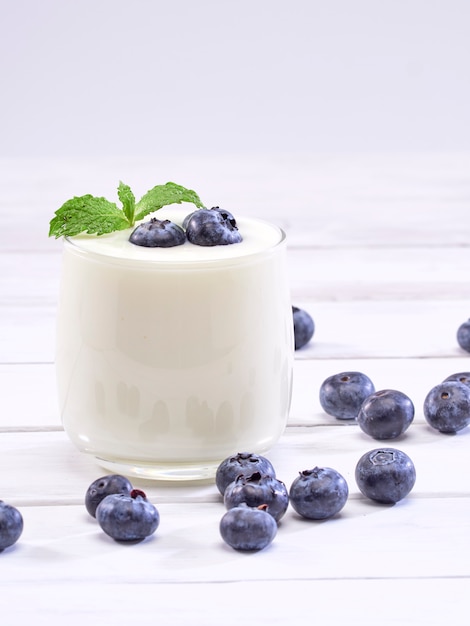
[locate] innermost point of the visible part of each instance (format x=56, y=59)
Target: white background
x=156, y=77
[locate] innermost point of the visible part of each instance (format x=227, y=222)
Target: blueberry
x=256, y=490
x=447, y=406
x=186, y=220
x=212, y=227
x=11, y=525
x=386, y=414
x=463, y=335
x=127, y=517
x=342, y=394
x=158, y=234
x=304, y=327
x=318, y=493
x=460, y=377
x=248, y=528
x=385, y=475
x=225, y=214
x=242, y=464
x=104, y=486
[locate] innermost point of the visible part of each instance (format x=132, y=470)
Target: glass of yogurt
x=171, y=359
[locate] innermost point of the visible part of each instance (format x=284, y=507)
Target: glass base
x=182, y=472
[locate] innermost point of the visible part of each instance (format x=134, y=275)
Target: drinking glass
x=167, y=366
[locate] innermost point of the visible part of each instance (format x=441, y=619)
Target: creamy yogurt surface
x=257, y=236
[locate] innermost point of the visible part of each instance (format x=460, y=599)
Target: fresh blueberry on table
x=463, y=335
x=256, y=490
x=105, y=486
x=386, y=475
x=212, y=227
x=11, y=525
x=318, y=493
x=304, y=327
x=386, y=414
x=342, y=394
x=241, y=464
x=459, y=377
x=248, y=528
x=447, y=406
x=158, y=234
x=128, y=517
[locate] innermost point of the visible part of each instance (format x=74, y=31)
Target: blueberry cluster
x=255, y=499
x=249, y=486
x=123, y=513
x=256, y=502
x=203, y=227
x=388, y=413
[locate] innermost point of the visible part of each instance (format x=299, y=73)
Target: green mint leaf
x=162, y=195
x=128, y=202
x=97, y=216
x=87, y=214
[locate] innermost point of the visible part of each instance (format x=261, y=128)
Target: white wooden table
x=379, y=255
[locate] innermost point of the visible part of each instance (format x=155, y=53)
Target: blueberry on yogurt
x=212, y=227
x=158, y=234
x=225, y=214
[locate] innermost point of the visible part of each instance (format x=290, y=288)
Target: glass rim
x=178, y=264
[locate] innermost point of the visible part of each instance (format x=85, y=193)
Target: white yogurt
x=169, y=360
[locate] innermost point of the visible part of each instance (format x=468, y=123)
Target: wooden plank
x=384, y=274
x=29, y=396
x=27, y=333
x=363, y=542
x=384, y=329
x=409, y=601
x=378, y=254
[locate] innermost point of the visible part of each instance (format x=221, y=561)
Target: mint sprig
x=98, y=216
